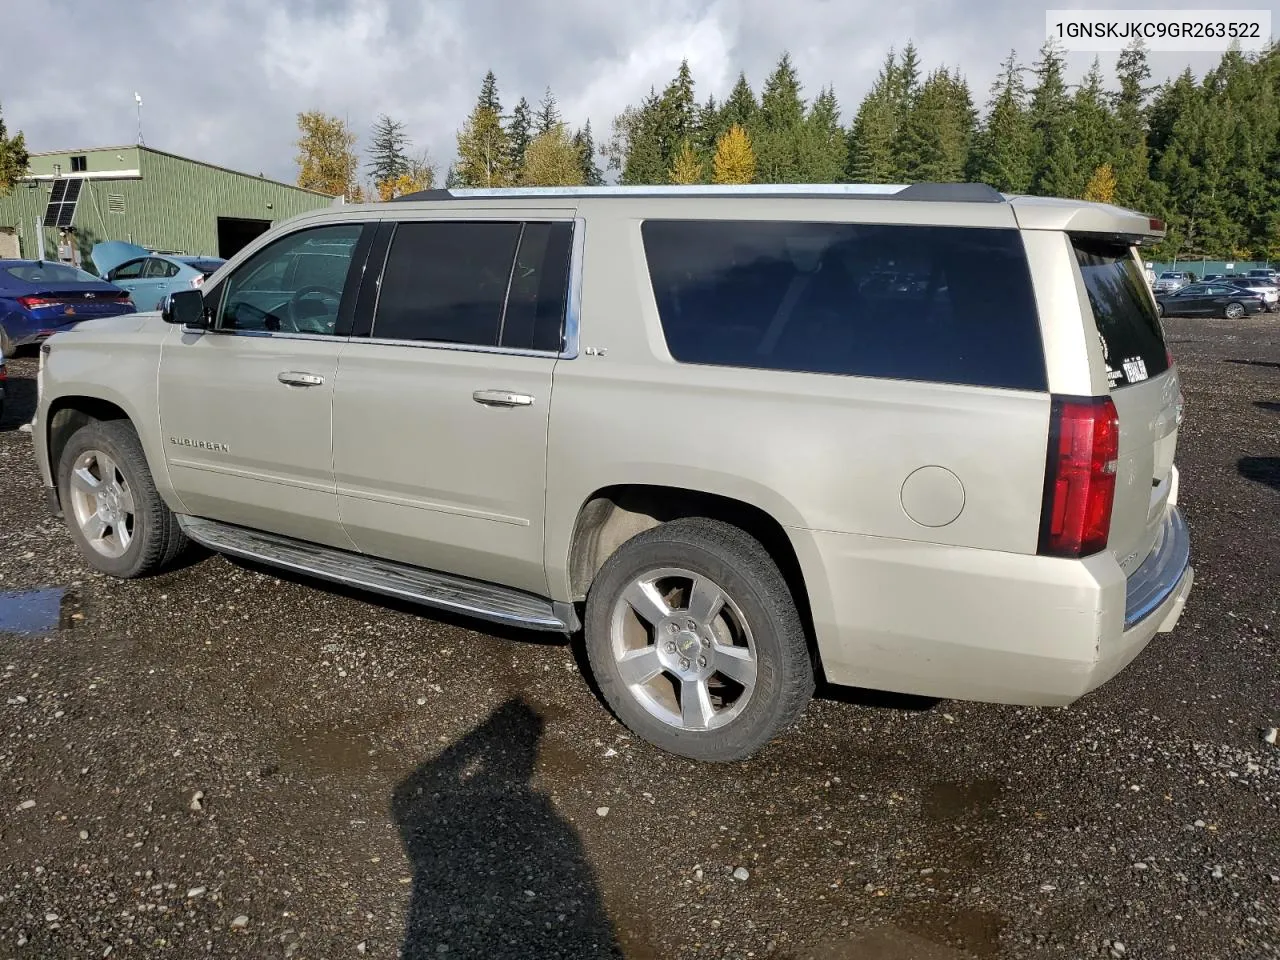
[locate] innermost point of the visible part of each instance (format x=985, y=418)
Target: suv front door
x=441, y=408
x=245, y=407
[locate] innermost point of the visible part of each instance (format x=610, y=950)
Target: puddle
x=950, y=800
x=976, y=932
x=334, y=751
x=38, y=611
x=885, y=943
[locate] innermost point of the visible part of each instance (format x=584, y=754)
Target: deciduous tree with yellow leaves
x=735, y=161
x=326, y=154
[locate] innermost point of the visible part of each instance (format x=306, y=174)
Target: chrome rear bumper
x=1152, y=583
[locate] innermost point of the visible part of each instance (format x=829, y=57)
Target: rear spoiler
x=1102, y=221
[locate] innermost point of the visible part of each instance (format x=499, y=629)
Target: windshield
x=42, y=272
x=1132, y=338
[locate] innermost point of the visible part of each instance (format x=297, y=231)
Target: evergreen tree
x=740, y=107
x=1053, y=155
x=907, y=76
x=1101, y=187
x=1093, y=129
x=676, y=115
x=484, y=151
x=635, y=149
x=688, y=166
x=548, y=113
x=706, y=127
x=871, y=156
x=735, y=160
x=519, y=132
x=824, y=149
x=934, y=137
x=489, y=93
x=1001, y=153
x=1132, y=166
x=388, y=151
x=451, y=177
x=13, y=158
x=552, y=160
x=779, y=127
x=585, y=144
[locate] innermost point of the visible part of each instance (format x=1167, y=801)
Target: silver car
x=919, y=439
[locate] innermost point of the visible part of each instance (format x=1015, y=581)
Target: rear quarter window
x=939, y=304
x=1132, y=338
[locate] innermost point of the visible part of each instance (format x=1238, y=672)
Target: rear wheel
x=694, y=639
x=1235, y=310
x=1159, y=308
x=109, y=500
x=6, y=345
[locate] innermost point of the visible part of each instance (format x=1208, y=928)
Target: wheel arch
x=68, y=413
x=612, y=515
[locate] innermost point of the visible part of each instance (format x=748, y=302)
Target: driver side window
x=294, y=285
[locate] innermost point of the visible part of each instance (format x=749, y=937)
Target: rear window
x=939, y=304
x=206, y=267
x=1132, y=338
x=50, y=273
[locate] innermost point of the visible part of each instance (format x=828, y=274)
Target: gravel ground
x=219, y=761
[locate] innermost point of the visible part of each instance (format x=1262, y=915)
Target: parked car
x=676, y=419
x=40, y=297
x=1265, y=274
x=1173, y=280
x=1264, y=288
x=4, y=377
x=1210, y=300
x=150, y=277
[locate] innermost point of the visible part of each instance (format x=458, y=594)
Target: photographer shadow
x=497, y=872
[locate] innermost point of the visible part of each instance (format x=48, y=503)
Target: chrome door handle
x=501, y=398
x=295, y=378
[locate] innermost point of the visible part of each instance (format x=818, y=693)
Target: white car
x=1263, y=288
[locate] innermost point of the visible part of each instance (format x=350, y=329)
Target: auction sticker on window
x=1161, y=31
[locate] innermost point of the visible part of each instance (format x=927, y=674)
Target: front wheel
x=112, y=509
x=1235, y=310
x=694, y=639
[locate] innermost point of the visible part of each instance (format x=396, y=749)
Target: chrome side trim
x=485, y=601
x=573, y=306
x=464, y=347
x=1159, y=575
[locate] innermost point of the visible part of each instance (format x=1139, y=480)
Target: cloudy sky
x=223, y=80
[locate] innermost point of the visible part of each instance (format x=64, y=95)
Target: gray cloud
x=224, y=79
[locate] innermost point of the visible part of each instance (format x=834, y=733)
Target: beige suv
x=917, y=439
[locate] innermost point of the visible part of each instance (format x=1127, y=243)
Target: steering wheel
x=313, y=316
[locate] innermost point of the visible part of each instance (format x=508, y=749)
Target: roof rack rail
x=937, y=192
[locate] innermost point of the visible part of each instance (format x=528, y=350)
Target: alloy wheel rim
x=102, y=503
x=684, y=649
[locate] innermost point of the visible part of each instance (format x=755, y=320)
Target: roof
x=176, y=156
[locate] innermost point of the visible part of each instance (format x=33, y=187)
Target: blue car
x=150, y=277
x=38, y=298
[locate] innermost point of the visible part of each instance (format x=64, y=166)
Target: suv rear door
x=1145, y=390
x=440, y=414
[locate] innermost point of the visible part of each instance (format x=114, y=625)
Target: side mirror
x=186, y=308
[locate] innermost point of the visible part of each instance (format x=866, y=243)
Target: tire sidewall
x=95, y=437
x=759, y=718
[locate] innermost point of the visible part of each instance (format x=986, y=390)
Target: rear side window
x=472, y=283
x=940, y=304
x=1132, y=339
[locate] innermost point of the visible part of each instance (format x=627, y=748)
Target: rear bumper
x=967, y=624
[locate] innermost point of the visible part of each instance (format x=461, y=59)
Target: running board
x=473, y=598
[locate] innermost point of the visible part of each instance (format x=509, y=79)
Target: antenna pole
x=138, y=99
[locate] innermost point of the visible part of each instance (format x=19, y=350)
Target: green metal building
x=73, y=199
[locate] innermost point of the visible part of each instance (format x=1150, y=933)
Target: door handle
x=295, y=378
x=501, y=398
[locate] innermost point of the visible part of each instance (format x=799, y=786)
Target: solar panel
x=61, y=210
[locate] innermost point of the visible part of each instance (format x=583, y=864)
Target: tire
x=1159, y=309
x=7, y=348
x=111, y=453
x=1235, y=310
x=755, y=621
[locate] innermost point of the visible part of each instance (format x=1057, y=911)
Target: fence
x=1203, y=267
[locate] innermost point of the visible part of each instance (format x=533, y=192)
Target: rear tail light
x=33, y=302
x=197, y=281
x=1080, y=476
